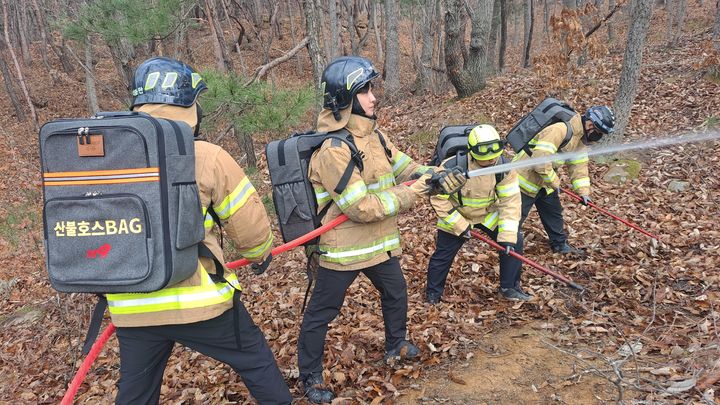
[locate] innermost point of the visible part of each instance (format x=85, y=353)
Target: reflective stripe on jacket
x=220, y=180
x=484, y=201
x=547, y=142
x=371, y=234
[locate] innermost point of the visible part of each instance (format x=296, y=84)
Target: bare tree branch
x=262, y=70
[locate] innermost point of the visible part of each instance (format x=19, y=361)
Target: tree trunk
x=494, y=29
x=43, y=35
x=422, y=80
x=716, y=27
x=245, y=142
x=439, y=75
x=467, y=78
x=670, y=13
x=7, y=79
x=179, y=39
x=679, y=21
x=59, y=51
x=223, y=61
x=391, y=70
x=529, y=19
x=376, y=29
x=291, y=16
x=610, y=24
x=122, y=53
x=334, y=31
x=546, y=19
x=515, y=23
x=503, y=35
x=322, y=25
x=639, y=22
x=317, y=58
x=90, y=79
x=21, y=78
x=359, y=25
x=21, y=13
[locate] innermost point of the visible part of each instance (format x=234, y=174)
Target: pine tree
x=251, y=109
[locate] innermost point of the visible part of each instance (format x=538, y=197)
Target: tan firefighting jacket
x=481, y=201
x=221, y=181
x=371, y=234
x=547, y=142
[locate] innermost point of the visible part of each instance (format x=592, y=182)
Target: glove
x=448, y=181
x=466, y=233
x=312, y=252
x=259, y=268
x=509, y=247
x=585, y=200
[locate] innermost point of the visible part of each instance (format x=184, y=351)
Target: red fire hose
x=97, y=346
x=85, y=366
x=626, y=222
x=532, y=263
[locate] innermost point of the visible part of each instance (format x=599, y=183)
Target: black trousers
x=327, y=299
x=446, y=247
x=144, y=352
x=550, y=211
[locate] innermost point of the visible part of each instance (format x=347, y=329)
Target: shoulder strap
x=499, y=176
x=388, y=153
x=95, y=322
x=355, y=158
x=568, y=135
x=216, y=219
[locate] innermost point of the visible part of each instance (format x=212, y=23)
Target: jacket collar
x=326, y=121
x=360, y=126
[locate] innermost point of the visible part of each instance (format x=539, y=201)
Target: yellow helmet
x=484, y=143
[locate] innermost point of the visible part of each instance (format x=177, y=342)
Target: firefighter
x=369, y=242
x=539, y=184
x=490, y=203
x=203, y=312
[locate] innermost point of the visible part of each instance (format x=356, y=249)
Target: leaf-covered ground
x=645, y=329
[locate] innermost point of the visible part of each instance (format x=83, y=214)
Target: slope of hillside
x=658, y=299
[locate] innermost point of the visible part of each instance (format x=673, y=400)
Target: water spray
x=595, y=151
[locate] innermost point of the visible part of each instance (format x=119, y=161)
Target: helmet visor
x=486, y=150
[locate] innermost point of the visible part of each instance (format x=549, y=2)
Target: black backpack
x=549, y=111
x=452, y=139
x=293, y=194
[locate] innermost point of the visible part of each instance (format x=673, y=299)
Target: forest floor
x=644, y=332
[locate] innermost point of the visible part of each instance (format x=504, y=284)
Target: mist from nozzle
x=600, y=150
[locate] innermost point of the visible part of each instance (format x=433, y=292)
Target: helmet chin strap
x=198, y=109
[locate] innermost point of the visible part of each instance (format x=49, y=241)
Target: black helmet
x=602, y=118
x=342, y=79
x=162, y=80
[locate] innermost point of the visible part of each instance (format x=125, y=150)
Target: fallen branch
x=262, y=70
x=435, y=68
x=601, y=22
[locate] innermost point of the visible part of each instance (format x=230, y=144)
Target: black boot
x=567, y=248
x=432, y=299
x=403, y=350
x=515, y=294
x=314, y=391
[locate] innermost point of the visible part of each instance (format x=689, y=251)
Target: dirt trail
x=513, y=366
